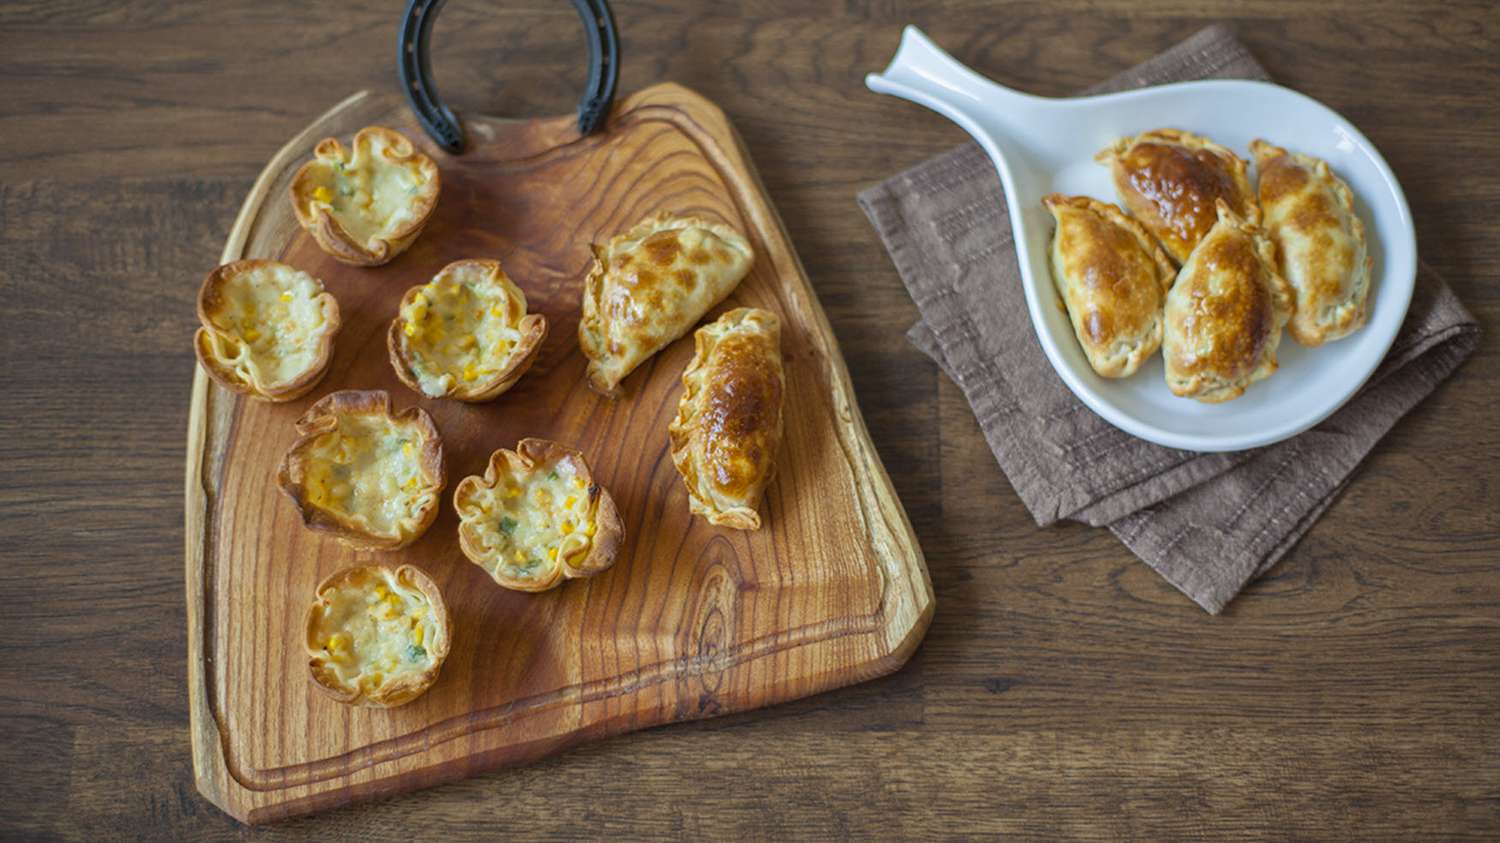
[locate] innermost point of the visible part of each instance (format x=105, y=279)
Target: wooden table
x=1063, y=690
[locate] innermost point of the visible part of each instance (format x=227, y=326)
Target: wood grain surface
x=1063, y=690
x=692, y=622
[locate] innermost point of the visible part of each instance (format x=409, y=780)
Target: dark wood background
x=1064, y=690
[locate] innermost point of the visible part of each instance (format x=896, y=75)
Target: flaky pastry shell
x=537, y=517
x=729, y=420
x=370, y=478
x=376, y=636
x=465, y=334
x=267, y=329
x=366, y=203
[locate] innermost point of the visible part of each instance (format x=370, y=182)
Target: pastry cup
x=537, y=518
x=366, y=203
x=267, y=329
x=376, y=636
x=465, y=334
x=370, y=478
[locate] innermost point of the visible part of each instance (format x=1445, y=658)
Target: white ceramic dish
x=1042, y=145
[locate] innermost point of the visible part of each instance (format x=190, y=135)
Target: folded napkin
x=1208, y=523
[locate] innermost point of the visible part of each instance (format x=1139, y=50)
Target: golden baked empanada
x=1225, y=313
x=376, y=636
x=1320, y=243
x=650, y=286
x=370, y=478
x=537, y=517
x=465, y=334
x=365, y=204
x=1112, y=278
x=728, y=425
x=1169, y=180
x=267, y=329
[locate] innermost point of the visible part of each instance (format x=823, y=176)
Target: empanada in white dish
x=650, y=286
x=1320, y=243
x=365, y=204
x=267, y=329
x=1112, y=278
x=729, y=420
x=1225, y=313
x=1169, y=180
x=465, y=334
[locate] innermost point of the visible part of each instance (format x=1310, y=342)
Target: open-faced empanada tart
x=366, y=203
x=376, y=636
x=1320, y=243
x=369, y=477
x=1169, y=180
x=537, y=518
x=650, y=286
x=1225, y=313
x=267, y=329
x=728, y=425
x=465, y=334
x=1112, y=278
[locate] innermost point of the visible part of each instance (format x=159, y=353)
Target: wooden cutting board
x=692, y=621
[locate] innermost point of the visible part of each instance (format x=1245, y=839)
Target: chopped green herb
x=552, y=475
x=416, y=651
x=507, y=525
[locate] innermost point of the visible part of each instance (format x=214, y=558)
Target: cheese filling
x=462, y=328
x=370, y=195
x=528, y=524
x=373, y=630
x=368, y=470
x=270, y=325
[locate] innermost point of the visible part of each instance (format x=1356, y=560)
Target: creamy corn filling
x=270, y=324
x=370, y=195
x=528, y=523
x=463, y=327
x=369, y=470
x=375, y=629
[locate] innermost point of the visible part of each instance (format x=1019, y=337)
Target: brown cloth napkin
x=1209, y=523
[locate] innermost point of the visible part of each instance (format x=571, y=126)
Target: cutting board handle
x=414, y=66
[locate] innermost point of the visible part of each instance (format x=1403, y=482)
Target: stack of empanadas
x=1248, y=264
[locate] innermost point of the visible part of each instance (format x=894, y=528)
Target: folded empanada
x=1225, y=313
x=650, y=286
x=1320, y=243
x=728, y=425
x=1170, y=179
x=1112, y=278
x=366, y=203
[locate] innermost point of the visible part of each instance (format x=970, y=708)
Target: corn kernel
x=569, y=501
x=520, y=557
x=578, y=481
x=496, y=312
x=406, y=448
x=381, y=591
x=567, y=527
x=513, y=492
x=410, y=330
x=322, y=194
x=412, y=482
x=467, y=342
x=286, y=295
x=417, y=635
x=552, y=553
x=251, y=334
x=469, y=372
